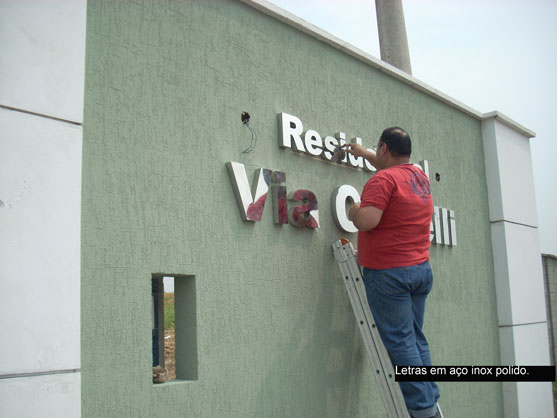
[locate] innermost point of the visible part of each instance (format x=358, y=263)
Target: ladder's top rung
x=343, y=251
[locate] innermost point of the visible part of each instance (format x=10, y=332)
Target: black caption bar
x=475, y=373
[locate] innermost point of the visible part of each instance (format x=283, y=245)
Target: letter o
x=338, y=204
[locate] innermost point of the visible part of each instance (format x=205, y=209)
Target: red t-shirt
x=401, y=238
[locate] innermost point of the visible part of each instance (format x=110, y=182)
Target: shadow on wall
x=318, y=371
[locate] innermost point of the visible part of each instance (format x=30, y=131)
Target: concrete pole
x=392, y=34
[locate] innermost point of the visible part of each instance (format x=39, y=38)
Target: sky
x=488, y=54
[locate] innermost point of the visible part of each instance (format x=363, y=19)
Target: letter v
x=251, y=205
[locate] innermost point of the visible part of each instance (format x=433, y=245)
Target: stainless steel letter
x=445, y=223
x=367, y=165
x=290, y=129
x=341, y=137
x=314, y=143
x=251, y=206
x=330, y=144
x=305, y=211
x=437, y=226
x=356, y=161
x=280, y=202
x=338, y=203
x=453, y=227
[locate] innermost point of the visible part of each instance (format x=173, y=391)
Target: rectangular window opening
x=174, y=341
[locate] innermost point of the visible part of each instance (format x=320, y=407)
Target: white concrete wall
x=43, y=56
x=54, y=395
x=517, y=261
x=42, y=63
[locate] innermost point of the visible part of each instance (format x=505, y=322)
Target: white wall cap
x=292, y=20
x=40, y=220
x=57, y=395
x=510, y=123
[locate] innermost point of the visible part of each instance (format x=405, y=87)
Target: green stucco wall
x=166, y=82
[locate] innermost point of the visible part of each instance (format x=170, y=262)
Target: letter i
x=280, y=201
x=452, y=224
x=445, y=226
x=436, y=225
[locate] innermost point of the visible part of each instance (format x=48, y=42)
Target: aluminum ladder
x=377, y=353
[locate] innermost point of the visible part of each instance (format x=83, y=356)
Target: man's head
x=394, y=147
x=397, y=141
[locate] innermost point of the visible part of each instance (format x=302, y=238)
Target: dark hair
x=398, y=141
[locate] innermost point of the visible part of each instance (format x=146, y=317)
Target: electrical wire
x=253, y=139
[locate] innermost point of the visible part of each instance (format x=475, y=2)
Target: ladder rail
x=384, y=365
x=358, y=281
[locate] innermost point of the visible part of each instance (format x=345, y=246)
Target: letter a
x=305, y=211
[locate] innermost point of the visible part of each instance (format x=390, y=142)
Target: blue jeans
x=397, y=297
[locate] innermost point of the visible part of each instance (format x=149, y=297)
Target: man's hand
x=353, y=211
x=355, y=149
x=359, y=151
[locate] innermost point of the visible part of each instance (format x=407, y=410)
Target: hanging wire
x=253, y=139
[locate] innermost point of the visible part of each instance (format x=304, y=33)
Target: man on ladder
x=393, y=220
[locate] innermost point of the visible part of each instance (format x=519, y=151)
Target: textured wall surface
x=166, y=82
x=549, y=263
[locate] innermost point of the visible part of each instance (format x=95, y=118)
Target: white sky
x=489, y=54
x=168, y=284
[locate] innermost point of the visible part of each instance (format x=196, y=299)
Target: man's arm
x=366, y=218
x=359, y=151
